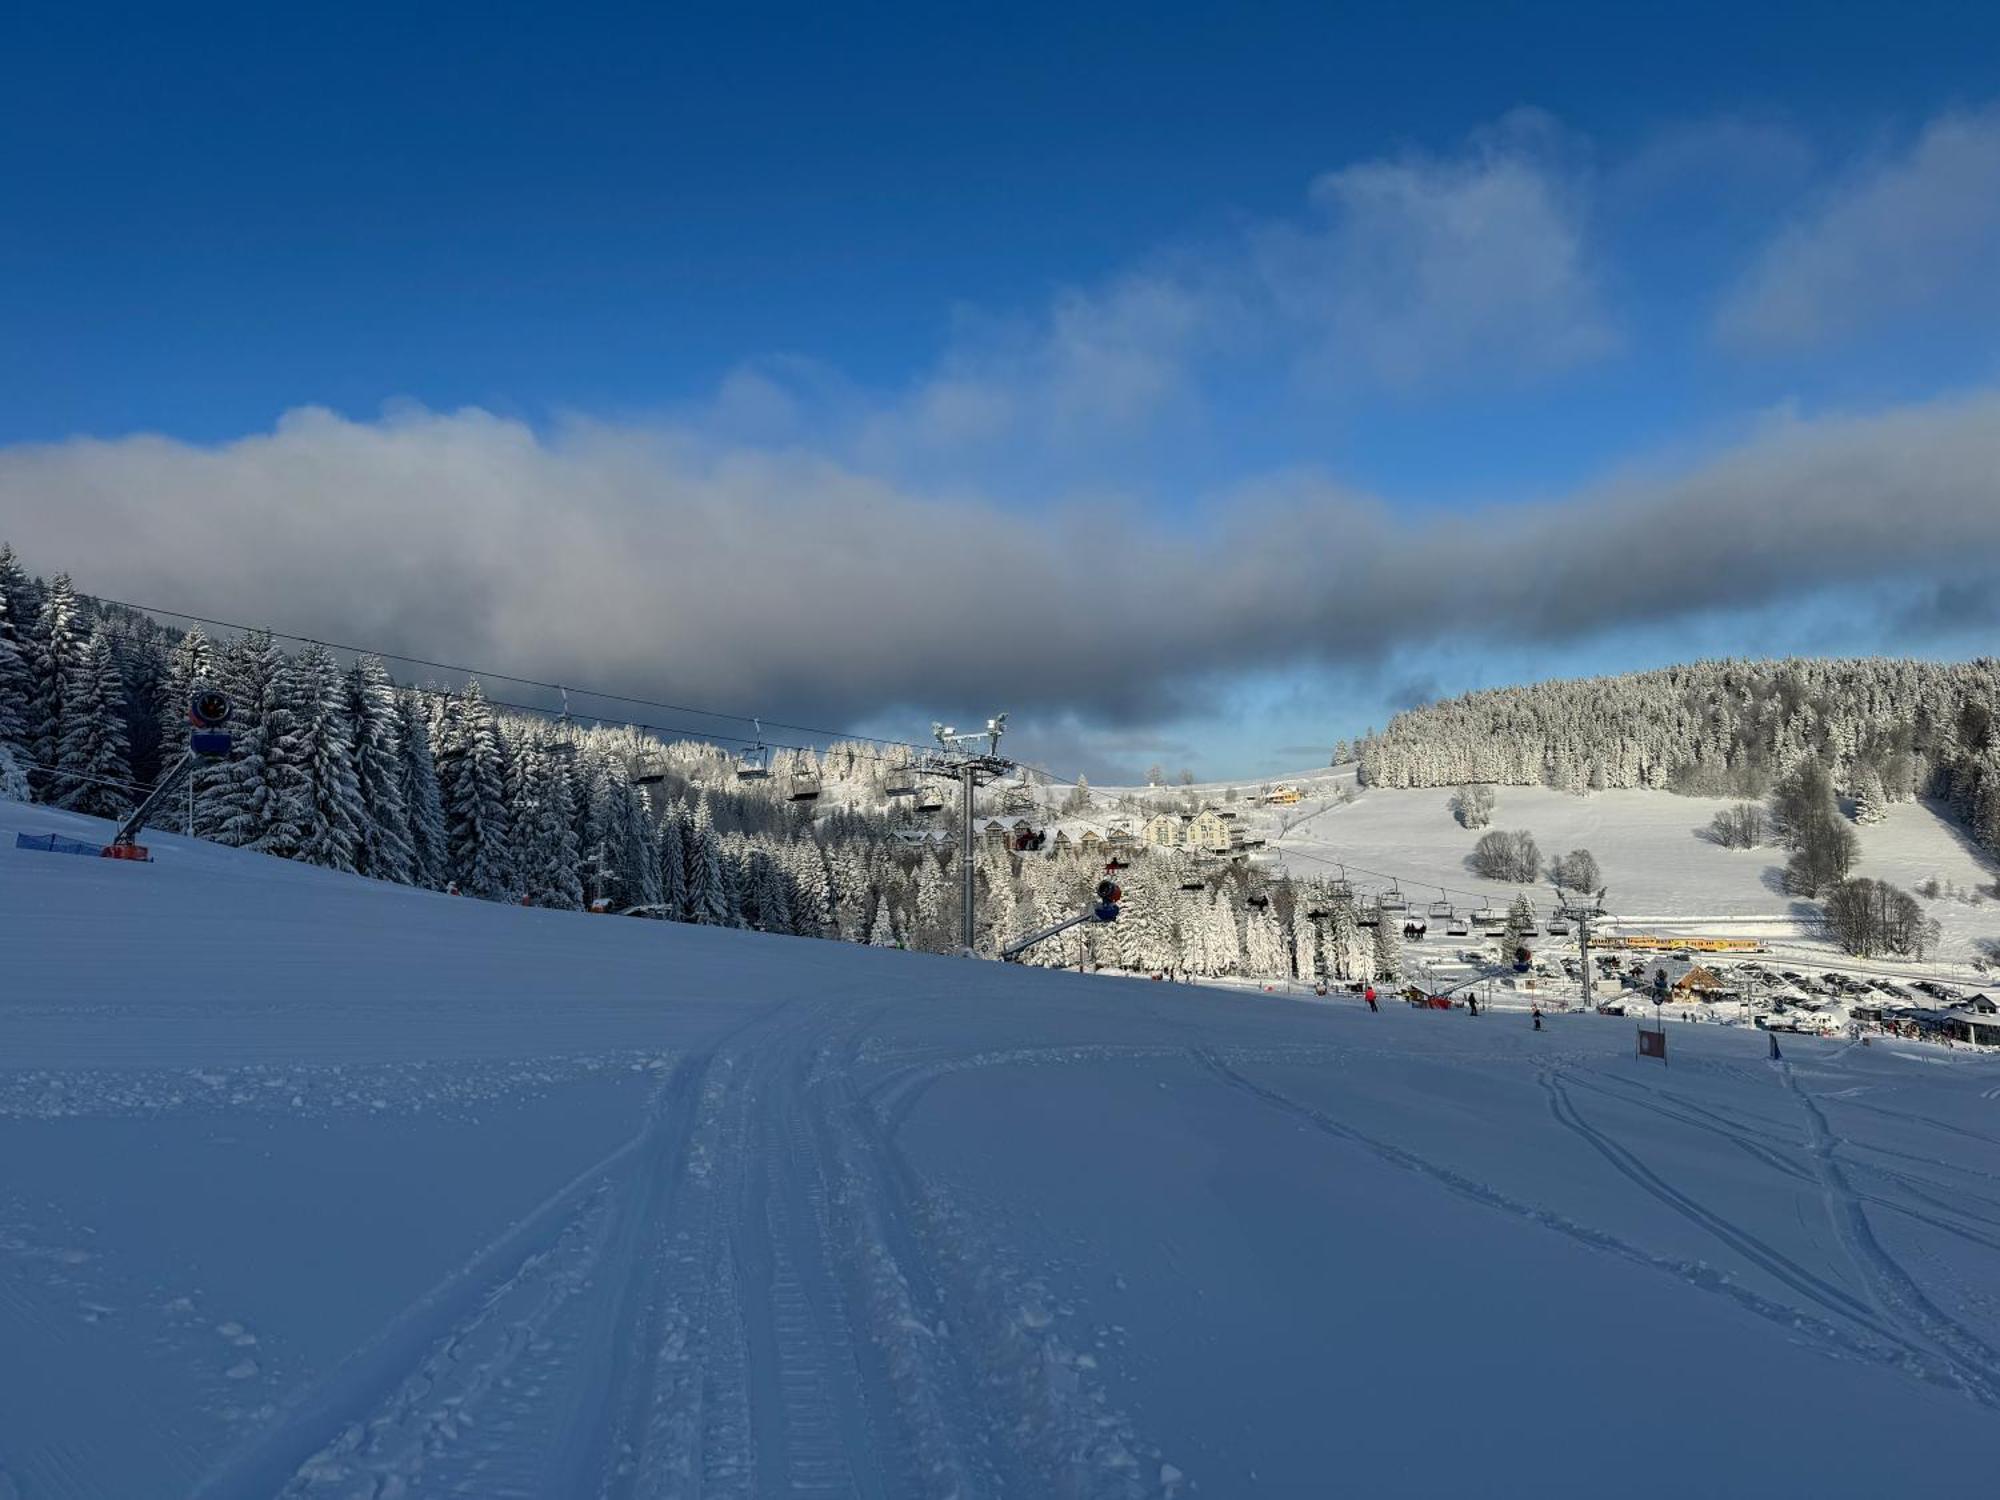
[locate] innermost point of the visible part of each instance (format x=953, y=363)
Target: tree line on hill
x=1887, y=730
x=336, y=764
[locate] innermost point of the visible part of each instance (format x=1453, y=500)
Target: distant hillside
x=1719, y=728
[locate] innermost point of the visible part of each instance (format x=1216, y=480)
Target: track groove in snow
x=1972, y=1360
x=1894, y=1352
x=505, y=1203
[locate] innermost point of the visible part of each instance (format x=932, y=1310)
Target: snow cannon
x=208, y=708
x=1109, y=894
x=1522, y=959
x=208, y=711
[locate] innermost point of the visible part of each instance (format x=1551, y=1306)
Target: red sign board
x=1653, y=1044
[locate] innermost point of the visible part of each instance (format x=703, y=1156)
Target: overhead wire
x=498, y=676
x=846, y=740
x=846, y=744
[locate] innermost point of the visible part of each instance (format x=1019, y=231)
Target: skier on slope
x=1538, y=1018
x=1369, y=995
x=1472, y=1002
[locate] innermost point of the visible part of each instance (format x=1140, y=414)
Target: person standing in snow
x=1538, y=1017
x=1472, y=1002
x=1369, y=995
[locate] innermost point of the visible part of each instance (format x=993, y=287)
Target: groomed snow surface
x=316, y=1187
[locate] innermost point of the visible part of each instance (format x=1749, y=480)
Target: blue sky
x=1281, y=308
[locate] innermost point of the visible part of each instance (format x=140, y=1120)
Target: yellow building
x=1207, y=830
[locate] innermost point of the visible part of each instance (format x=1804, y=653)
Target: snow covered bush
x=1472, y=805
x=1743, y=826
x=1509, y=856
x=1577, y=870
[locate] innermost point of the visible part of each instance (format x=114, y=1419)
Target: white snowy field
x=316, y=1187
x=1660, y=875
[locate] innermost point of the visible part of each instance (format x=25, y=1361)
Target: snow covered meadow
x=1660, y=871
x=316, y=1186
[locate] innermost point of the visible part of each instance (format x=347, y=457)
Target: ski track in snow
x=1875, y=1342
x=1972, y=1360
x=754, y=1295
x=787, y=1240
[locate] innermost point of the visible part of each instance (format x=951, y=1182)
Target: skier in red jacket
x=1369, y=995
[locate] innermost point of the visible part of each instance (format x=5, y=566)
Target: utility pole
x=1584, y=910
x=968, y=783
x=961, y=759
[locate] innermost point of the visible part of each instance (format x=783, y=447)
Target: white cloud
x=1908, y=232
x=740, y=576
x=1412, y=272
x=1445, y=269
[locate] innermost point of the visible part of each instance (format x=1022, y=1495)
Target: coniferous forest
x=1888, y=730
x=336, y=763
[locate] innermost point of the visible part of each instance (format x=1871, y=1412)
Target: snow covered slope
x=1660, y=874
x=316, y=1187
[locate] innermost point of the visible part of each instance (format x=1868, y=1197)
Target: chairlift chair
x=1341, y=889
x=1371, y=914
x=900, y=784
x=754, y=764
x=1489, y=916
x=1441, y=910
x=1393, y=899
x=652, y=771
x=1259, y=901
x=1558, y=927
x=805, y=786
x=1457, y=926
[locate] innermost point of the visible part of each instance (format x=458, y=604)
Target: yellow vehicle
x=1692, y=944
